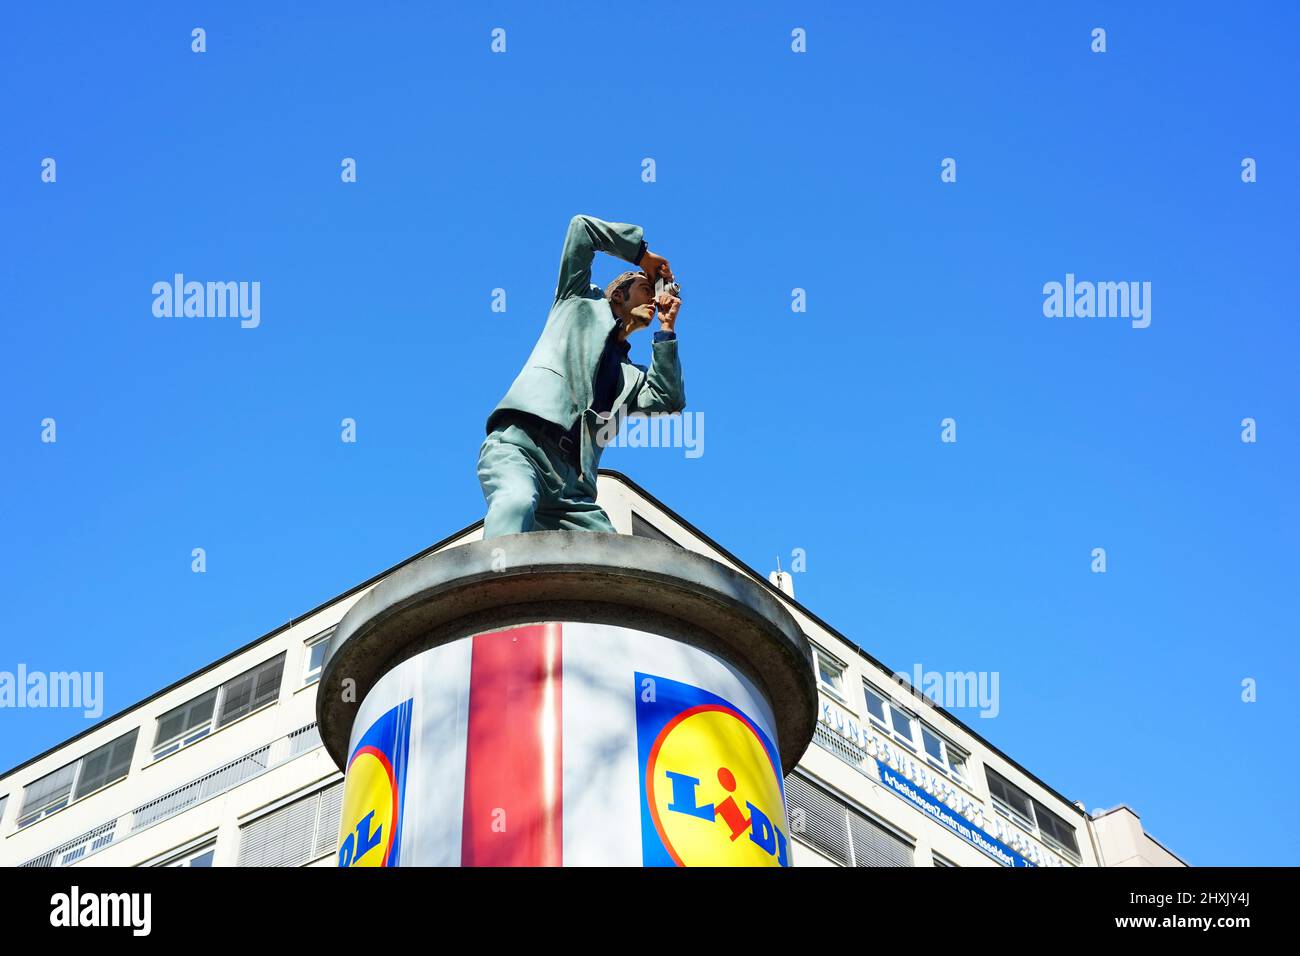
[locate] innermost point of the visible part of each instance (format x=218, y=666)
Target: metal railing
x=212, y=784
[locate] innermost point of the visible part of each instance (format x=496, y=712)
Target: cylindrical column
x=566, y=698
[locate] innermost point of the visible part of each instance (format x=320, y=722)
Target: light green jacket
x=558, y=379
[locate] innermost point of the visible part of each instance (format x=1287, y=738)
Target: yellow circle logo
x=715, y=795
x=370, y=810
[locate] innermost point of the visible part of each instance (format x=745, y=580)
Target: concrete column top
x=568, y=575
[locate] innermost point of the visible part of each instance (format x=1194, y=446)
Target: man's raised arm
x=587, y=236
x=662, y=389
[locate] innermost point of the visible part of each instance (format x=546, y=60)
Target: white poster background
x=601, y=776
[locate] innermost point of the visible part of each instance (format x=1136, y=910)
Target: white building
x=225, y=767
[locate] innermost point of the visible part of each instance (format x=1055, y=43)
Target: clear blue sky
x=775, y=171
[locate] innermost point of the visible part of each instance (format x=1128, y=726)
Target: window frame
x=643, y=527
x=891, y=707
x=188, y=848
x=319, y=791
x=110, y=747
x=946, y=748
x=1004, y=808
x=31, y=816
x=312, y=675
x=50, y=808
x=820, y=654
x=853, y=812
x=1033, y=825
x=185, y=858
x=193, y=734
x=1050, y=838
x=252, y=675
x=201, y=731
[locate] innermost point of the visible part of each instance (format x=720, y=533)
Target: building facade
x=226, y=768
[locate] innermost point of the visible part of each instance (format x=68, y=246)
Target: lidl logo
x=711, y=793
x=370, y=830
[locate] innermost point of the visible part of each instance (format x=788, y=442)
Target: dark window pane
x=106, y=765
x=902, y=723
x=1056, y=828
x=251, y=690
x=875, y=706
x=932, y=746
x=49, y=789
x=238, y=695
x=191, y=714
x=201, y=709
x=267, y=682
x=644, y=529
x=1009, y=793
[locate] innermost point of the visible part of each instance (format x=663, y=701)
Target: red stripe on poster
x=513, y=760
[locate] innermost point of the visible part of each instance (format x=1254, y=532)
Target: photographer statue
x=538, y=463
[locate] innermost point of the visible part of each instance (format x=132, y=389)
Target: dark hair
x=623, y=283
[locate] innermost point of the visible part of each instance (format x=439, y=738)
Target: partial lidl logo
x=711, y=794
x=370, y=830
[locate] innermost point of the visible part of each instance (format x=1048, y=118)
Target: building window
x=891, y=718
x=296, y=833
x=187, y=723
x=946, y=756
x=96, y=770
x=839, y=831
x=903, y=725
x=941, y=860
x=4, y=802
x=250, y=691
x=315, y=658
x=198, y=856
x=876, y=707
x=1012, y=801
x=1055, y=832
x=195, y=719
x=48, y=794
x=1009, y=800
x=644, y=529
x=106, y=765
x=830, y=673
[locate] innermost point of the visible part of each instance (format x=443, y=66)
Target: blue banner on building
x=947, y=817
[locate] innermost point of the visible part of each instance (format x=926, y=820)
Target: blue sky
x=775, y=171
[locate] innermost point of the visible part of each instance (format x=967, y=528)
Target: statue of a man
x=538, y=463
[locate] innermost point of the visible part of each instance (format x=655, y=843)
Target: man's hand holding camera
x=655, y=267
x=666, y=304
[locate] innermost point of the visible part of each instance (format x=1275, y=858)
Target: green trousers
x=530, y=485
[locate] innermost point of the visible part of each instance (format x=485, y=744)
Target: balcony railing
x=212, y=784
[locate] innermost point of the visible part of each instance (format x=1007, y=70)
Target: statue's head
x=632, y=300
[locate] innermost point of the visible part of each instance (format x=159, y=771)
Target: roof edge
x=610, y=473
x=292, y=622
x=762, y=579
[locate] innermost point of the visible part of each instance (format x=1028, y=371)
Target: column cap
x=540, y=567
